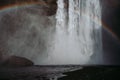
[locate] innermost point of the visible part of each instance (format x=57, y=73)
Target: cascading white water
x=79, y=41
x=77, y=38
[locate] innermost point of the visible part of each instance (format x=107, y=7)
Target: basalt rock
x=15, y=61
x=49, y=6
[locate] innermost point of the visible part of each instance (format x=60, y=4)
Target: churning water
x=78, y=37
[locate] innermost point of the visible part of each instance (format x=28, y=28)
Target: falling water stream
x=78, y=37
x=75, y=37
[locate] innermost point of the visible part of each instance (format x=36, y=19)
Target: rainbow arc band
x=21, y=3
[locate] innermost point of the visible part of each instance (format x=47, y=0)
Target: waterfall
x=78, y=37
x=75, y=38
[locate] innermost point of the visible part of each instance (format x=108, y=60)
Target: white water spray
x=79, y=41
x=77, y=38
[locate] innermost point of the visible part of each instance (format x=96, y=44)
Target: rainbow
x=9, y=6
x=18, y=4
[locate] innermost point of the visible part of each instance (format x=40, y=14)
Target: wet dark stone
x=15, y=61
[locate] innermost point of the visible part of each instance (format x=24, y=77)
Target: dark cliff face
x=111, y=15
x=49, y=6
x=110, y=20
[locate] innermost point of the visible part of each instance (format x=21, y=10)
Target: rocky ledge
x=15, y=61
